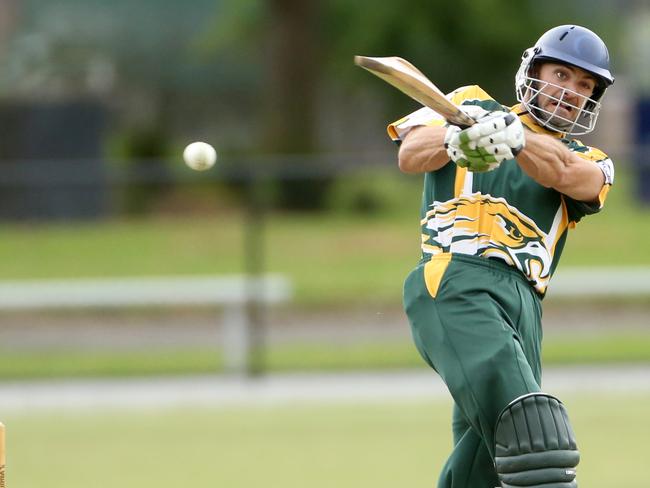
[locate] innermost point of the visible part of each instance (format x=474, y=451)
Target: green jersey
x=502, y=214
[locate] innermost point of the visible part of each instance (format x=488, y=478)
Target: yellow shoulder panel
x=470, y=92
x=592, y=153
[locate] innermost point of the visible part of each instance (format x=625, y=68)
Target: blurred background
x=288, y=257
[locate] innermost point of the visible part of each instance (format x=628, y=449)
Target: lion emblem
x=482, y=225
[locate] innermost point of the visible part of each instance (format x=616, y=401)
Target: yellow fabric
x=471, y=92
x=434, y=270
x=392, y=131
x=602, y=196
x=461, y=174
x=429, y=247
x=530, y=122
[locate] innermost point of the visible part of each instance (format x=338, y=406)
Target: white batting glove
x=500, y=134
x=474, y=111
x=452, y=143
x=478, y=163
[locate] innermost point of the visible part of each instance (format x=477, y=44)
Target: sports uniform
x=490, y=243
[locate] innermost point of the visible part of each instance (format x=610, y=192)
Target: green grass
x=53, y=363
x=379, y=444
x=329, y=258
x=618, y=235
x=122, y=248
x=629, y=347
x=335, y=257
x=610, y=347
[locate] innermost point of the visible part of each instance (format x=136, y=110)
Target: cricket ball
x=200, y=156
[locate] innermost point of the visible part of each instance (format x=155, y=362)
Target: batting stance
x=493, y=228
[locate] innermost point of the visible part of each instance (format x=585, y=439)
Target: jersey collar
x=532, y=124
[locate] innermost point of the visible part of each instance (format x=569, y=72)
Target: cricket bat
x=410, y=81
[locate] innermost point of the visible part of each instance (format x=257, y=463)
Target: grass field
x=332, y=257
x=382, y=445
x=597, y=348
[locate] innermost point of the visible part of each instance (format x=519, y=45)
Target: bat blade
x=410, y=81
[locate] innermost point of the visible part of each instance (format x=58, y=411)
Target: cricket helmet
x=572, y=45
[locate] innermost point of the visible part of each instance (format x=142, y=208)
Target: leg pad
x=535, y=445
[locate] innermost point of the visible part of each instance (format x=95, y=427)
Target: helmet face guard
x=569, y=45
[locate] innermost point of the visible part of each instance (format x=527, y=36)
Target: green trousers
x=477, y=322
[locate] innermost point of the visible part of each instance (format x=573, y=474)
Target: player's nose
x=570, y=93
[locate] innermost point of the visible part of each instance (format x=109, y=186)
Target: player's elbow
x=406, y=165
x=406, y=159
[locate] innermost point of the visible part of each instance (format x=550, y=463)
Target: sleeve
x=576, y=209
x=425, y=116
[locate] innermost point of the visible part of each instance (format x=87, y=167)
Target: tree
x=293, y=53
x=301, y=43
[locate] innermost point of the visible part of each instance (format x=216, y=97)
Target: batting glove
x=500, y=134
x=477, y=160
x=474, y=111
x=452, y=144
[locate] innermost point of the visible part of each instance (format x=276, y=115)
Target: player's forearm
x=423, y=150
x=544, y=159
x=547, y=161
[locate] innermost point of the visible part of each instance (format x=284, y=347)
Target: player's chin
x=561, y=112
x=559, y=118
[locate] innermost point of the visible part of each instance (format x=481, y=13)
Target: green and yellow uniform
x=490, y=244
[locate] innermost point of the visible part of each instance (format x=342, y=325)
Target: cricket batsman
x=498, y=202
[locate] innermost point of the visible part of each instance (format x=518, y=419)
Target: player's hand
x=477, y=160
x=500, y=134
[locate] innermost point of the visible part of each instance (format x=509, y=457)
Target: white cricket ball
x=200, y=156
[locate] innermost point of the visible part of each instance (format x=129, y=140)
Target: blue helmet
x=575, y=46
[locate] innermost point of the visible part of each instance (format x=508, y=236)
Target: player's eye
x=587, y=85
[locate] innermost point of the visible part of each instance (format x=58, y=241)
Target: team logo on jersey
x=482, y=225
